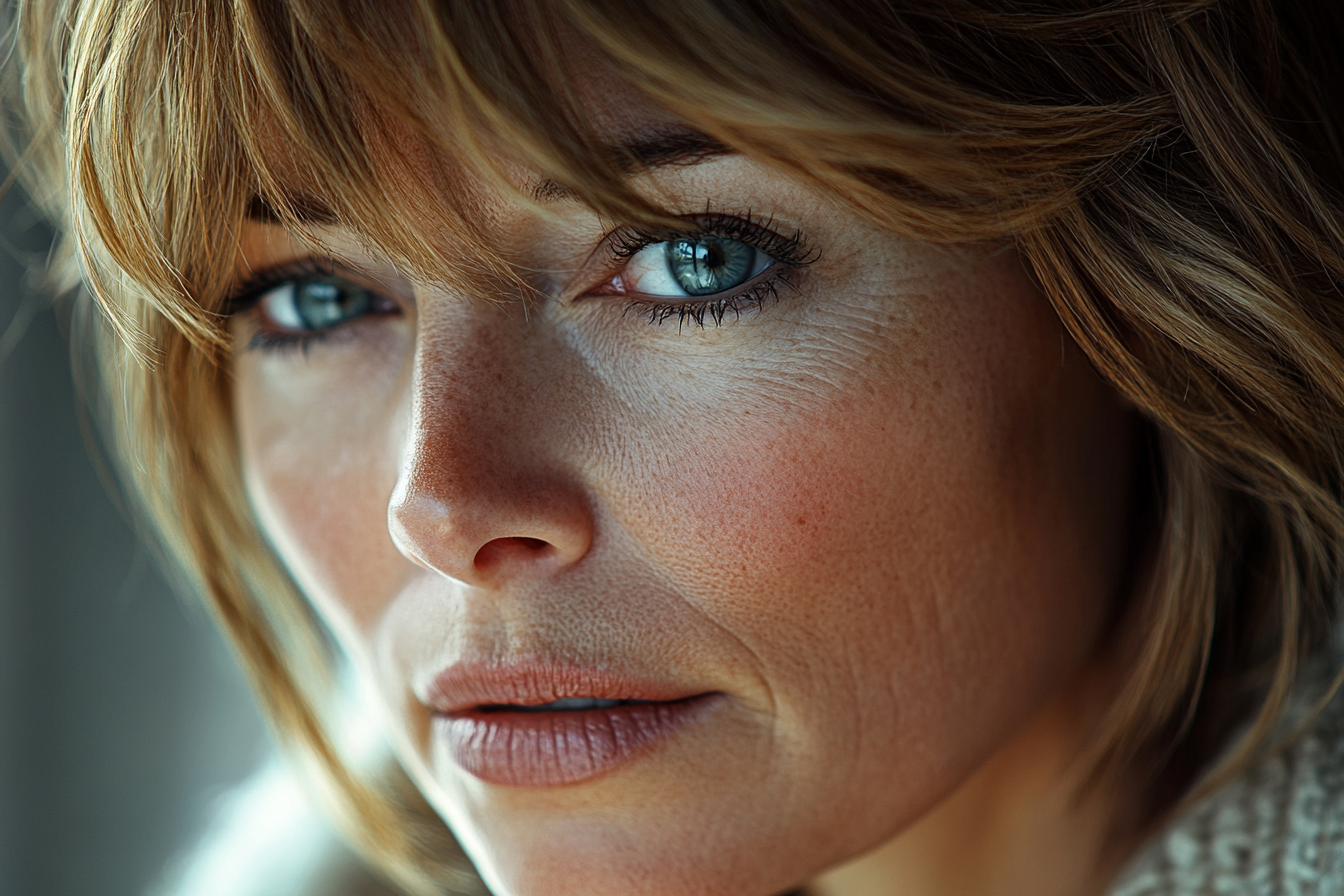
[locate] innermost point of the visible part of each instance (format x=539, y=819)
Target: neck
x=1020, y=826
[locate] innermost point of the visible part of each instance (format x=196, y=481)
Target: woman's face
x=664, y=596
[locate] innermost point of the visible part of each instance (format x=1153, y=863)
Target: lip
x=552, y=748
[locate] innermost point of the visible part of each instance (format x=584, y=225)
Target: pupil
x=709, y=265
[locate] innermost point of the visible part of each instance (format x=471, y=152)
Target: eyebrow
x=661, y=149
x=306, y=208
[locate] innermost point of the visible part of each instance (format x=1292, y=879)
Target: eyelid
x=623, y=242
x=245, y=295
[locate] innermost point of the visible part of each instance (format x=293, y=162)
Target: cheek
x=915, y=553
x=319, y=465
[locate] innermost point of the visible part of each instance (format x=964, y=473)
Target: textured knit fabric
x=1277, y=830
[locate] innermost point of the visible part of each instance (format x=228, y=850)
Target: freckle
x=801, y=521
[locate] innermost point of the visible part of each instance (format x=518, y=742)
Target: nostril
x=512, y=551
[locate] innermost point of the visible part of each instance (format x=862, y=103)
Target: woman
x=873, y=448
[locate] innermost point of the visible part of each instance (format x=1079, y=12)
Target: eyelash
x=788, y=253
x=250, y=292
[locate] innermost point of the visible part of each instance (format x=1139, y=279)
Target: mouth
x=541, y=725
x=564, y=704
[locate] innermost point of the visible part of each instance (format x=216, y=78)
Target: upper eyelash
x=791, y=249
x=245, y=295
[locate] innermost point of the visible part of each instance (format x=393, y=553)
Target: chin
x=624, y=836
x=602, y=859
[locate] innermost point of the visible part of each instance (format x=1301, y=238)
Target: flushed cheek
x=797, y=547
x=891, y=558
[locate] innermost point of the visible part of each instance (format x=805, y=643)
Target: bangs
x=398, y=120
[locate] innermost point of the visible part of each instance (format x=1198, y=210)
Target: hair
x=1169, y=170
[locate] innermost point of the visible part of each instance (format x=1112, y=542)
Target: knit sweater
x=1276, y=830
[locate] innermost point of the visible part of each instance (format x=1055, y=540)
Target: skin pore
x=878, y=510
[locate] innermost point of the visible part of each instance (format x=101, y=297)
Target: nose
x=484, y=493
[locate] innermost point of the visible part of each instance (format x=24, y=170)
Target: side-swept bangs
x=189, y=112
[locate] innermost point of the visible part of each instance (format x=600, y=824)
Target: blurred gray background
x=124, y=723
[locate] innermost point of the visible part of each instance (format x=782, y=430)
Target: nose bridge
x=466, y=387
x=482, y=492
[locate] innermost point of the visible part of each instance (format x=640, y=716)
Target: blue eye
x=693, y=267
x=706, y=266
x=316, y=303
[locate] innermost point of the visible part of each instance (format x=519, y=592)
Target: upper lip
x=466, y=686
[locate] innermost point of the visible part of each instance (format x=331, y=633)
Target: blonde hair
x=1169, y=170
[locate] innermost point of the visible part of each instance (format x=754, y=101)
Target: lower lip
x=552, y=749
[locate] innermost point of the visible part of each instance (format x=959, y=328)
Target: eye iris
x=323, y=303
x=707, y=265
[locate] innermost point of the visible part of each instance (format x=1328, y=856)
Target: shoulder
x=1276, y=829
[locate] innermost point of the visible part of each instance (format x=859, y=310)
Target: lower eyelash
x=715, y=310
x=285, y=342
